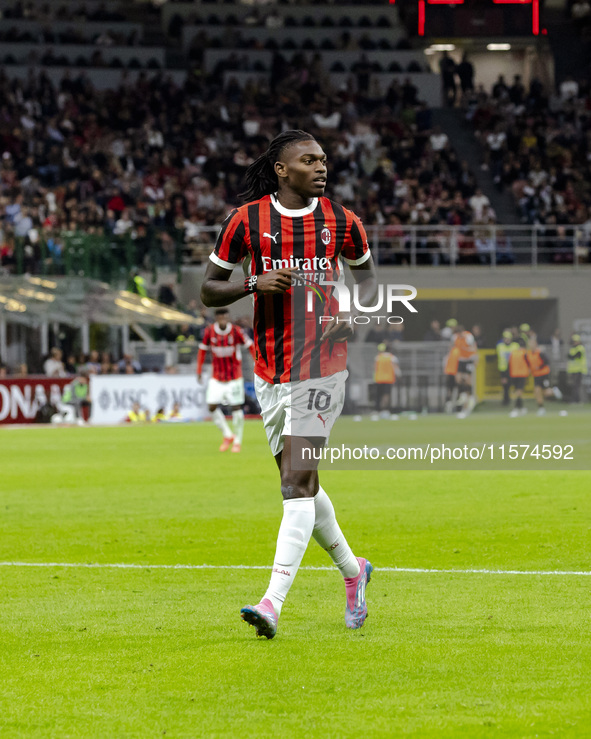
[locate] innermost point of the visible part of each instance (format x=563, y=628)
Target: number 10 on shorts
x=319, y=400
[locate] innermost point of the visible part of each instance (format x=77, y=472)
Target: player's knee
x=296, y=485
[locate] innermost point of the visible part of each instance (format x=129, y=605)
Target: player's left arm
x=365, y=276
x=357, y=255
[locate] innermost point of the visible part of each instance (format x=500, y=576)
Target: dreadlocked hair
x=260, y=177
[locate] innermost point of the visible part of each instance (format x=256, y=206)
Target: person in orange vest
x=386, y=370
x=519, y=371
x=465, y=343
x=450, y=370
x=540, y=369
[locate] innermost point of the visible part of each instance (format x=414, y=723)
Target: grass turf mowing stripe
x=419, y=570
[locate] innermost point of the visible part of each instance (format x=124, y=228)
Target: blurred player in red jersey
x=226, y=386
x=286, y=227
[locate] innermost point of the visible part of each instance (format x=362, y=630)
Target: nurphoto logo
x=387, y=298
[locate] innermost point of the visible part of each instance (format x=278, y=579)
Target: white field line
x=419, y=570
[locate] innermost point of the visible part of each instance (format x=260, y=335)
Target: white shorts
x=302, y=408
x=225, y=393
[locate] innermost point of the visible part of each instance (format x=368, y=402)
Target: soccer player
x=285, y=227
x=465, y=343
x=226, y=386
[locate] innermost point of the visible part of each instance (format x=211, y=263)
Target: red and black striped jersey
x=263, y=236
x=225, y=350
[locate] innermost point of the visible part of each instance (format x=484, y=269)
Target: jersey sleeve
x=242, y=338
x=355, y=248
x=230, y=247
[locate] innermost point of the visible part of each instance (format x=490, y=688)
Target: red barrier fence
x=21, y=398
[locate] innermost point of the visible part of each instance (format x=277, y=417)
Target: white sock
x=220, y=421
x=238, y=423
x=330, y=537
x=294, y=534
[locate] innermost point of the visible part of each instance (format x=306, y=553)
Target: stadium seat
x=175, y=26
x=367, y=44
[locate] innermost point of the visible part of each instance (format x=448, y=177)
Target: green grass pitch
x=152, y=652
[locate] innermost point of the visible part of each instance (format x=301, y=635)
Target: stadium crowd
x=539, y=147
x=159, y=163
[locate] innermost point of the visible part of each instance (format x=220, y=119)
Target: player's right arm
x=203, y=347
x=217, y=290
x=230, y=249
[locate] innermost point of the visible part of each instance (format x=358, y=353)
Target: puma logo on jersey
x=273, y=238
x=324, y=420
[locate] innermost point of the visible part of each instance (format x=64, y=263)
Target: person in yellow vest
x=159, y=416
x=576, y=367
x=540, y=369
x=450, y=370
x=386, y=371
x=504, y=348
x=175, y=413
x=526, y=333
x=519, y=371
x=136, y=415
x=465, y=343
x=186, y=342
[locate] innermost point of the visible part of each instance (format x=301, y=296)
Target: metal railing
x=112, y=258
x=487, y=245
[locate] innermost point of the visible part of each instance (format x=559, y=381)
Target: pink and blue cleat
x=262, y=616
x=356, y=610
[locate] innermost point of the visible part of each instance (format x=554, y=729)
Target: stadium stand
x=126, y=131
x=537, y=146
